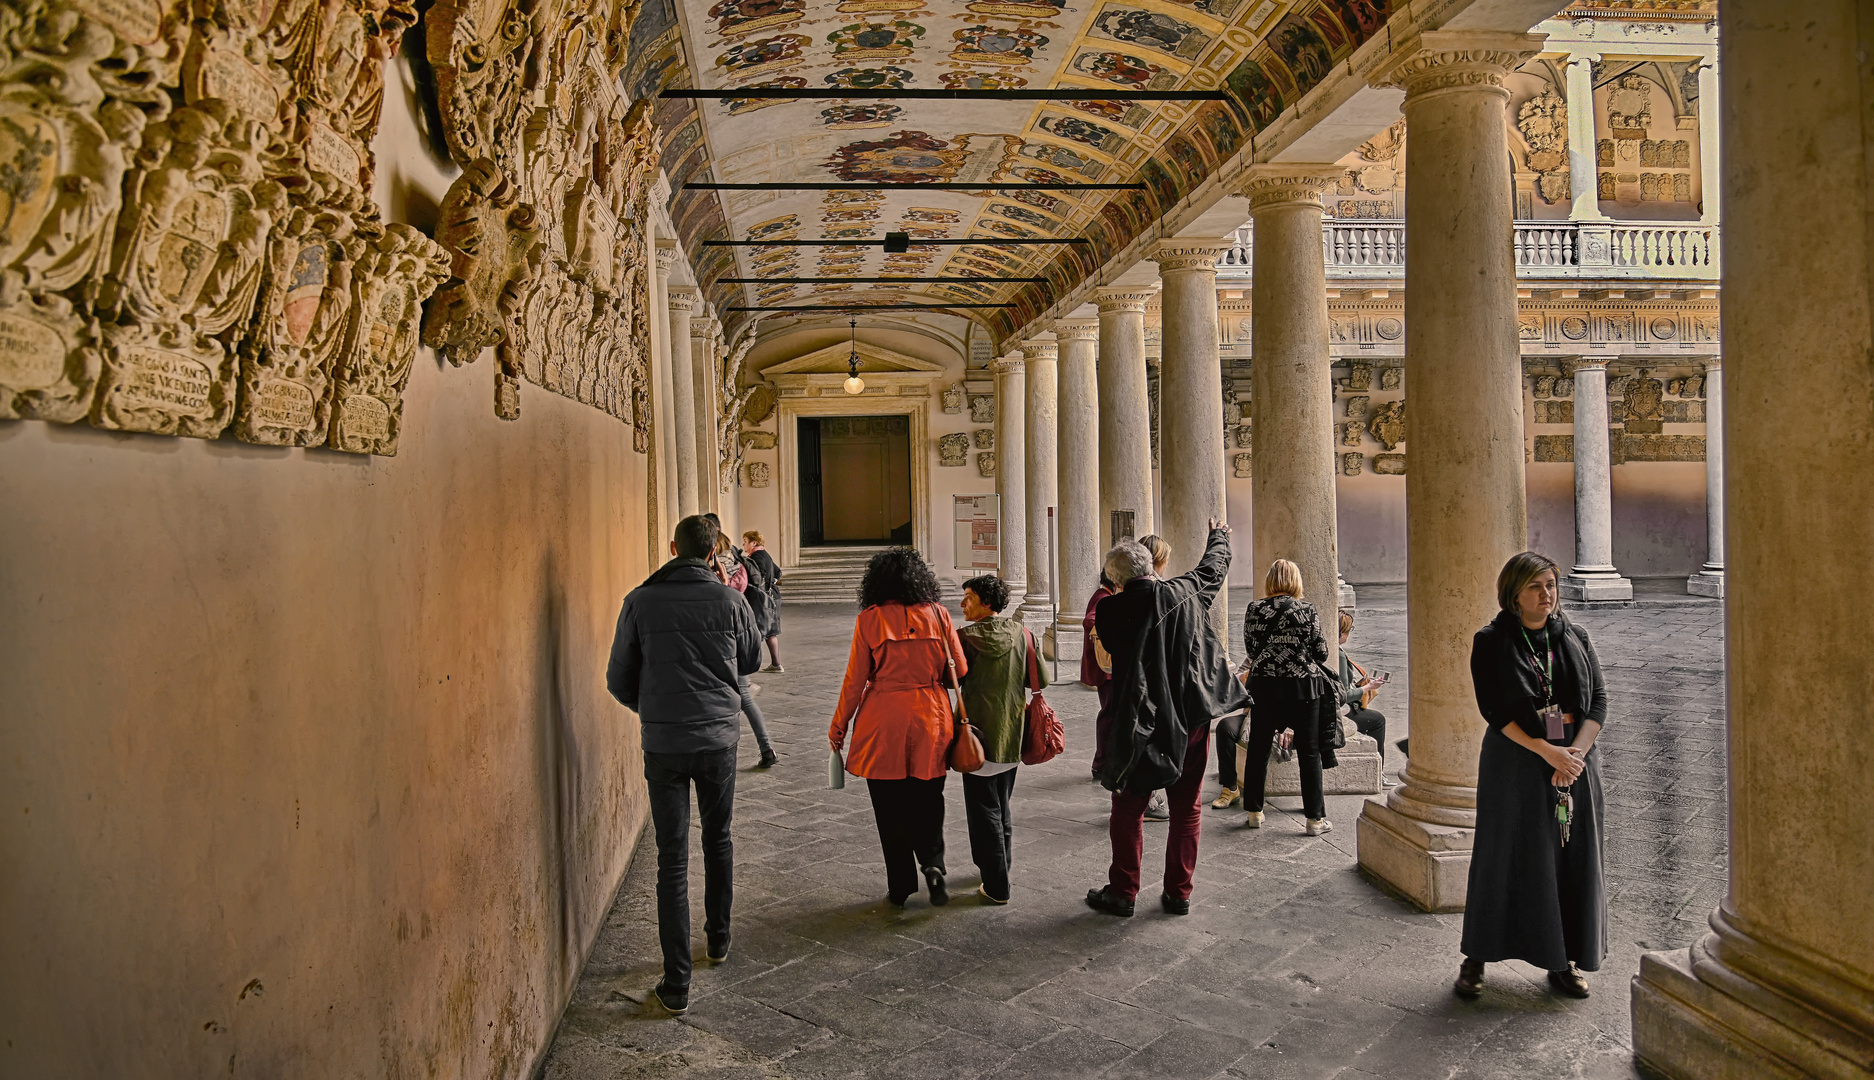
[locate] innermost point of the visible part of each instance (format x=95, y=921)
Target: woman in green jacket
x=996, y=648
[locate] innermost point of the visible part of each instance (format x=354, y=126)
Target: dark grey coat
x=684, y=640
x=1531, y=898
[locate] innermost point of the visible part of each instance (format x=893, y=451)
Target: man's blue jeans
x=669, y=776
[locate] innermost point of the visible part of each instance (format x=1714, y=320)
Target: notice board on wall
x=978, y=526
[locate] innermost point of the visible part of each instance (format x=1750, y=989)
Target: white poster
x=978, y=523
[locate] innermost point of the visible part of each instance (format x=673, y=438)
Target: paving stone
x=1290, y=965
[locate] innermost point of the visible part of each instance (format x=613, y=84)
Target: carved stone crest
x=985, y=438
x=983, y=409
x=1643, y=405
x=953, y=449
x=1389, y=464
x=953, y=399
x=1356, y=406
x=1358, y=377
x=1350, y=434
x=1245, y=436
x=1350, y=464
x=1388, y=427
x=1240, y=466
x=986, y=463
x=1390, y=378
x=759, y=473
x=389, y=281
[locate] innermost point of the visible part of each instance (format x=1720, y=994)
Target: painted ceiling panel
x=1265, y=54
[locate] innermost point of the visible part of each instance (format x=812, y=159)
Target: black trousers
x=910, y=817
x=1372, y=724
x=669, y=776
x=992, y=829
x=1228, y=729
x=1264, y=721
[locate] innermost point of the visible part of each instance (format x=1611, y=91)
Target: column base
x=1346, y=597
x=1357, y=773
x=1035, y=615
x=1429, y=865
x=1063, y=643
x=1592, y=587
x=1697, y=1018
x=1706, y=583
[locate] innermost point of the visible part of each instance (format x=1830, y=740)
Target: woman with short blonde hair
x=1283, y=579
x=1285, y=649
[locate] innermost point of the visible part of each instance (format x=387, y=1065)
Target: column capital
x=665, y=251
x=1012, y=364
x=1709, y=363
x=1453, y=59
x=1035, y=350
x=1269, y=186
x=1195, y=253
x=1078, y=329
x=1588, y=58
x=1591, y=363
x=685, y=298
x=1122, y=299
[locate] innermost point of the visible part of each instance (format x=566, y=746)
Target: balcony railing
x=1544, y=249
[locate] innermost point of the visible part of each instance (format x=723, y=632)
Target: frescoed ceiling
x=1265, y=54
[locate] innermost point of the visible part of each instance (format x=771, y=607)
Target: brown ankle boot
x=1470, y=982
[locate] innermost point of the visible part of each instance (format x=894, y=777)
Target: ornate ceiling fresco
x=1264, y=54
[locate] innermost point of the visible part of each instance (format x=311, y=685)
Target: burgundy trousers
x=1127, y=827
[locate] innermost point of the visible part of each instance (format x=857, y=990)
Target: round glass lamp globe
x=855, y=385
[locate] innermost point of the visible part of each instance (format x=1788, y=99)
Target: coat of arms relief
x=187, y=243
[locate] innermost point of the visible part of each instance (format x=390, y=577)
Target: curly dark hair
x=899, y=574
x=991, y=590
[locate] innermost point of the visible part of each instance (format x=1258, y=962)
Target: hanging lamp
x=854, y=384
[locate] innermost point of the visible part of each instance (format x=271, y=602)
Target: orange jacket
x=893, y=697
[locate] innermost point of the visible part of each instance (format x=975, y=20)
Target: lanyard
x=1545, y=671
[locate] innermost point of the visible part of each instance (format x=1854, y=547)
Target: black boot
x=1102, y=899
x=939, y=896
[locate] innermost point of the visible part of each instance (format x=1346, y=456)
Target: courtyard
x=1292, y=964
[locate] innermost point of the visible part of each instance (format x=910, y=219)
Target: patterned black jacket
x=1282, y=637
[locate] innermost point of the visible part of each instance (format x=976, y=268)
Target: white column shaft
x=1012, y=473
x=1125, y=413
x=1190, y=401
x=1714, y=468
x=1594, y=576
x=1040, y=479
x=663, y=418
x=1582, y=189
x=683, y=397
x=1710, y=180
x=1081, y=535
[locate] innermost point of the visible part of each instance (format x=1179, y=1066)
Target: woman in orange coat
x=895, y=705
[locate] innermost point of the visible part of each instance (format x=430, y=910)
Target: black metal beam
x=872, y=280
x=790, y=186
x=881, y=243
x=868, y=307
x=887, y=94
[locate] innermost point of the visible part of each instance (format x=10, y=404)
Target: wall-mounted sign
x=978, y=521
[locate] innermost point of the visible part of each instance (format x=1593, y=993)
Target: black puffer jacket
x=684, y=639
x=1170, y=675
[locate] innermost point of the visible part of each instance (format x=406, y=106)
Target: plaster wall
x=311, y=767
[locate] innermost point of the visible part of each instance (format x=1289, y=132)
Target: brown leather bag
x=966, y=746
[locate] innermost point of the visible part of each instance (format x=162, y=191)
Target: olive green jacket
x=997, y=653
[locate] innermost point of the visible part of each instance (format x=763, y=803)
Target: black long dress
x=1531, y=898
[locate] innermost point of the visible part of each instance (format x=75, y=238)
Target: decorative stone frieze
x=1438, y=60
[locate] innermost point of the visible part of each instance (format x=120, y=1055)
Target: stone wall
x=312, y=767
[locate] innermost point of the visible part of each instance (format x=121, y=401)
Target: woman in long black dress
x=1536, y=887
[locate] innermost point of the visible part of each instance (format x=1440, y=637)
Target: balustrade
x=1544, y=249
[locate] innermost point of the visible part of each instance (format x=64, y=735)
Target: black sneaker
x=1103, y=900
x=939, y=896
x=674, y=999
x=1172, y=905
x=768, y=760
x=718, y=950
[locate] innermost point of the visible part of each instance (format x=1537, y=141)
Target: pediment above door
x=823, y=372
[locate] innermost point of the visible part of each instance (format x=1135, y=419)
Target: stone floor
x=1291, y=964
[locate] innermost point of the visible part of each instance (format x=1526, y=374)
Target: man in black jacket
x=1171, y=678
x=684, y=639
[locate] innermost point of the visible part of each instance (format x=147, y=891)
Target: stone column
x=1784, y=985
x=1465, y=512
x=1081, y=545
x=663, y=419
x=1709, y=581
x=1582, y=189
x=1125, y=412
x=1594, y=576
x=1292, y=388
x=703, y=374
x=1711, y=187
x=1039, y=483
x=683, y=303
x=1012, y=472
x=1190, y=400
x=1292, y=419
